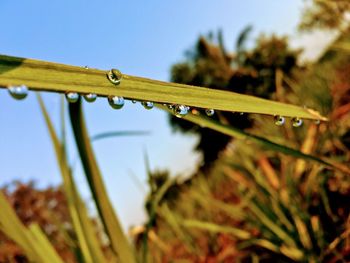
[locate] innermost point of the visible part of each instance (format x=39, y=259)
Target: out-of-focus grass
x=288, y=208
x=31, y=239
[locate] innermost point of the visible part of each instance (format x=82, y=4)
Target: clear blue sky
x=142, y=38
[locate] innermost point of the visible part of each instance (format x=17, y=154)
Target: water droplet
x=72, y=97
x=134, y=101
x=241, y=113
x=180, y=110
x=86, y=67
x=114, y=76
x=170, y=106
x=147, y=104
x=317, y=122
x=297, y=122
x=279, y=120
x=18, y=92
x=91, y=97
x=210, y=112
x=116, y=102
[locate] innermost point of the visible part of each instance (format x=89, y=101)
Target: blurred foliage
x=326, y=14
x=49, y=209
x=252, y=72
x=255, y=205
x=261, y=206
x=46, y=207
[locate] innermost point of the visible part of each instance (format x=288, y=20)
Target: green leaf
x=47, y=76
x=212, y=227
x=109, y=218
x=105, y=135
x=88, y=243
x=32, y=241
x=242, y=135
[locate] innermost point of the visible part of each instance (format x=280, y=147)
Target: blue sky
x=142, y=38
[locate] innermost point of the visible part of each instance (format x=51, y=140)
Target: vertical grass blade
x=83, y=227
x=109, y=218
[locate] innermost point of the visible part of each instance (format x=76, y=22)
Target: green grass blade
x=174, y=223
x=88, y=242
x=33, y=244
x=241, y=135
x=109, y=218
x=42, y=242
x=275, y=228
x=211, y=227
x=48, y=76
x=112, y=134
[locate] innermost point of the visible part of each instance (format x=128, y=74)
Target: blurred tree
x=251, y=72
x=326, y=14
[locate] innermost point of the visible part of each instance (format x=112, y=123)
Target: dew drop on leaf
x=72, y=97
x=147, y=104
x=279, y=120
x=18, y=92
x=116, y=102
x=210, y=112
x=180, y=110
x=91, y=97
x=317, y=122
x=114, y=76
x=297, y=122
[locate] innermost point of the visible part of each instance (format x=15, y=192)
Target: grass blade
x=83, y=227
x=106, y=135
x=34, y=244
x=211, y=227
x=109, y=218
x=242, y=135
x=48, y=76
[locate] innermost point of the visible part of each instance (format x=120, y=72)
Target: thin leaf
x=242, y=135
x=48, y=76
x=212, y=227
x=109, y=218
x=112, y=134
x=82, y=225
x=48, y=251
x=31, y=242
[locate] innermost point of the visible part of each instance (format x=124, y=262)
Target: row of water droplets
x=117, y=102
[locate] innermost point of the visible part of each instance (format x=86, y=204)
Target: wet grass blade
x=48, y=76
x=109, y=218
x=267, y=144
x=83, y=227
